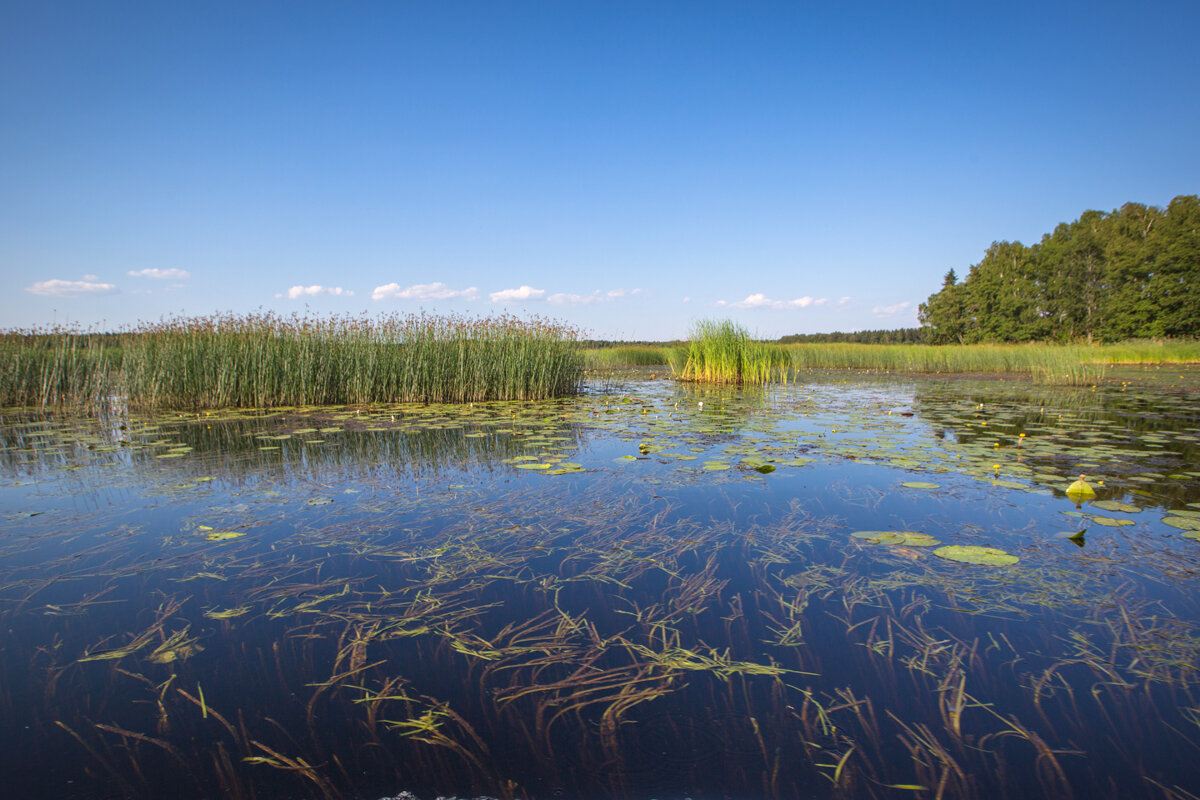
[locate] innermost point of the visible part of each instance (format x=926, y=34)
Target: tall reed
x=625, y=356
x=721, y=351
x=269, y=360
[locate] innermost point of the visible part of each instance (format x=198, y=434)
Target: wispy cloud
x=296, y=292
x=161, y=274
x=887, y=311
x=760, y=300
x=523, y=293
x=56, y=287
x=423, y=291
x=564, y=299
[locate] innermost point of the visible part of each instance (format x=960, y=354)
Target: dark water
x=352, y=603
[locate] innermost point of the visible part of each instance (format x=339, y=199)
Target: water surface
x=647, y=591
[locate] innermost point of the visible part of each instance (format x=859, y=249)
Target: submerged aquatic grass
x=262, y=360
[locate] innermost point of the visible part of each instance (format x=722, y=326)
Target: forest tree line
x=892, y=336
x=1132, y=273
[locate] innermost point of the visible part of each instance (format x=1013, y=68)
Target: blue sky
x=626, y=167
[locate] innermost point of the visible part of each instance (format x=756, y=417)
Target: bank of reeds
x=1049, y=363
x=721, y=351
x=625, y=356
x=263, y=360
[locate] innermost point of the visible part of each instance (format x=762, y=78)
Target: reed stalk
x=263, y=360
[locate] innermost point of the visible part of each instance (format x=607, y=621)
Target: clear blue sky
x=627, y=167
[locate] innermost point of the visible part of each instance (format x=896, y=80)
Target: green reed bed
x=267, y=360
x=1067, y=364
x=625, y=356
x=56, y=367
x=723, y=352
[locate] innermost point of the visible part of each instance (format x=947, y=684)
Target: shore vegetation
x=264, y=360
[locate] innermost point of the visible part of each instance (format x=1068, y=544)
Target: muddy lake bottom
x=852, y=587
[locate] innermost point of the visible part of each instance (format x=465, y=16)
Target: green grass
x=267, y=360
x=1050, y=363
x=625, y=356
x=723, y=352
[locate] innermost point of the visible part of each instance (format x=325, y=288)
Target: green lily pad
x=223, y=536
x=1184, y=523
x=765, y=469
x=1113, y=505
x=1110, y=522
x=972, y=554
x=920, y=485
x=1193, y=535
x=906, y=538
x=527, y=465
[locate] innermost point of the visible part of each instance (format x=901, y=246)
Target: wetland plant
x=262, y=360
x=721, y=351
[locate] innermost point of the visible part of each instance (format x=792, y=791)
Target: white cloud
x=423, y=291
x=297, y=292
x=162, y=274
x=523, y=293
x=760, y=300
x=887, y=311
x=843, y=300
x=60, y=288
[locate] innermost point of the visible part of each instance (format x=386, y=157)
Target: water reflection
x=351, y=602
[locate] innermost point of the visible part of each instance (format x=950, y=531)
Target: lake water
x=649, y=591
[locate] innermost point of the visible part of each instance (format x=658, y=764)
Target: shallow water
x=652, y=591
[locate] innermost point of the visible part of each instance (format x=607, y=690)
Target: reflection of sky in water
x=666, y=542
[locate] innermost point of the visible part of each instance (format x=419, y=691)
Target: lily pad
x=920, y=485
x=906, y=538
x=1110, y=522
x=1184, y=523
x=223, y=536
x=1113, y=505
x=973, y=554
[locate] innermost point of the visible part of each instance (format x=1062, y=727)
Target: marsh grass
x=625, y=356
x=1048, y=363
x=263, y=360
x=723, y=352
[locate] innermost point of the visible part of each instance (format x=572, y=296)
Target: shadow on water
x=657, y=591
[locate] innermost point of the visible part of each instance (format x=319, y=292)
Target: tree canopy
x=1130, y=273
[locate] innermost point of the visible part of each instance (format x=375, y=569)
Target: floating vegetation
x=974, y=554
x=907, y=538
x=421, y=610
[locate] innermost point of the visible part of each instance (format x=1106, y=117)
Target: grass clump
x=262, y=360
x=625, y=356
x=723, y=352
